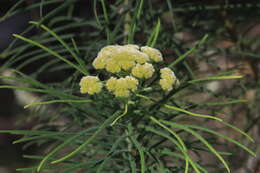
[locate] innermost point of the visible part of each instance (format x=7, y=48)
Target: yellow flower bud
x=121, y=84
x=99, y=63
x=90, y=85
x=121, y=87
x=141, y=57
x=153, y=53
x=168, y=79
x=143, y=71
x=167, y=73
x=166, y=85
x=132, y=83
x=111, y=84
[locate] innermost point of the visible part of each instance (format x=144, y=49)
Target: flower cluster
x=121, y=87
x=129, y=62
x=116, y=58
x=90, y=85
x=154, y=54
x=143, y=70
x=168, y=79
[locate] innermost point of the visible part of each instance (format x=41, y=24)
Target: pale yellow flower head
x=113, y=66
x=116, y=58
x=132, y=83
x=121, y=84
x=90, y=85
x=143, y=71
x=153, y=53
x=141, y=57
x=99, y=62
x=121, y=87
x=166, y=84
x=167, y=73
x=168, y=79
x=111, y=84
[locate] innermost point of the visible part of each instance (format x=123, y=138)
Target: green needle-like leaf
x=214, y=78
x=178, y=139
x=222, y=136
x=191, y=113
x=66, y=46
x=57, y=101
x=154, y=36
x=49, y=51
x=140, y=150
x=183, y=150
x=182, y=57
x=204, y=141
x=89, y=140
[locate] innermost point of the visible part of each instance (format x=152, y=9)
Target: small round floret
x=111, y=84
x=90, y=85
x=153, y=53
x=121, y=87
x=143, y=71
x=168, y=79
x=166, y=85
x=132, y=83
x=167, y=73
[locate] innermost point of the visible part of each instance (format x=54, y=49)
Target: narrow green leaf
x=226, y=102
x=177, y=155
x=204, y=141
x=178, y=139
x=49, y=51
x=112, y=151
x=9, y=12
x=105, y=11
x=95, y=12
x=28, y=132
x=191, y=113
x=222, y=136
x=31, y=81
x=139, y=148
x=59, y=147
x=24, y=88
x=120, y=116
x=74, y=55
x=239, y=131
x=55, y=11
x=47, y=136
x=182, y=110
x=185, y=154
x=214, y=78
x=141, y=153
x=139, y=11
x=89, y=140
x=75, y=47
x=132, y=165
x=182, y=57
x=154, y=36
x=57, y=101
